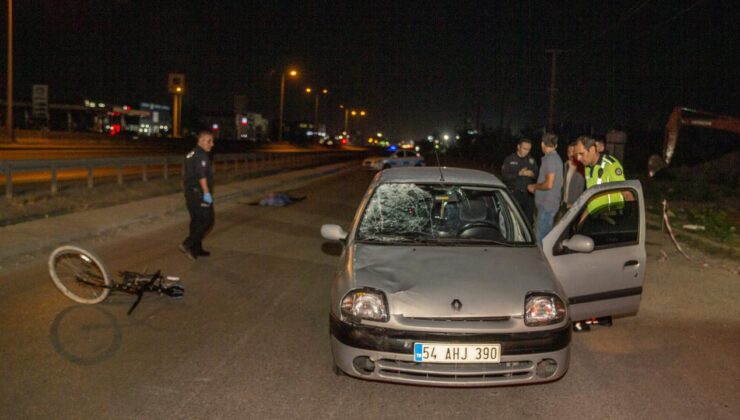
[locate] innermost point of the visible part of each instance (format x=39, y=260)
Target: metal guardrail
x=257, y=161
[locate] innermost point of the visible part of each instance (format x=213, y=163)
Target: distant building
x=251, y=126
x=248, y=126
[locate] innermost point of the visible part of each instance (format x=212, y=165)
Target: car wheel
x=386, y=166
x=419, y=164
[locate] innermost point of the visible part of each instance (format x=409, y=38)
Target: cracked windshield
x=442, y=214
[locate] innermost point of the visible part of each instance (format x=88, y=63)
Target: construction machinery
x=689, y=117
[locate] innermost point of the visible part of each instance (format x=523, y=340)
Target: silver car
x=440, y=281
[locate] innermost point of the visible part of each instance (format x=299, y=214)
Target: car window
x=611, y=219
x=442, y=214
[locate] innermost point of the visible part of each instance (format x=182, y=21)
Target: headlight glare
x=365, y=304
x=543, y=309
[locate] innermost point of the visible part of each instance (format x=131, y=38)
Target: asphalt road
x=250, y=338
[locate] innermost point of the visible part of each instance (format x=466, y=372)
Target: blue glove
x=207, y=198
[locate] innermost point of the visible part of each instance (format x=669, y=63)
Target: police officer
x=519, y=170
x=600, y=168
x=198, y=190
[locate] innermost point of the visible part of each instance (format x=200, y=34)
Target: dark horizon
x=416, y=69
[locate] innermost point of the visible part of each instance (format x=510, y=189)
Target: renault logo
x=456, y=305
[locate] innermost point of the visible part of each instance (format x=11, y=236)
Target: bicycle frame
x=139, y=283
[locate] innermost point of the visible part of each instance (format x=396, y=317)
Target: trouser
x=526, y=202
x=201, y=218
x=545, y=222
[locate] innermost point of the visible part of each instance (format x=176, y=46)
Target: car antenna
x=439, y=165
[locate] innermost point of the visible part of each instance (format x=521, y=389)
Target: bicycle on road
x=82, y=277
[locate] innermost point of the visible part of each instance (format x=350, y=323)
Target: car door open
x=597, y=251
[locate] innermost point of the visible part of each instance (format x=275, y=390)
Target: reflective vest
x=606, y=169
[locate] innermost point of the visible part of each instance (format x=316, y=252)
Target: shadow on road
x=85, y=335
x=332, y=248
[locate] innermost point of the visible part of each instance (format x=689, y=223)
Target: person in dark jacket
x=575, y=182
x=519, y=170
x=198, y=195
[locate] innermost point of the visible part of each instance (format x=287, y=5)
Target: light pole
x=9, y=99
x=347, y=113
x=291, y=73
x=553, y=90
x=316, y=106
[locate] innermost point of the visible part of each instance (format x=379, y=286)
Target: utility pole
x=176, y=86
x=282, y=106
x=477, y=115
x=552, y=90
x=9, y=99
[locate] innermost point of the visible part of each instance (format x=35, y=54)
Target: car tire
x=386, y=166
x=418, y=165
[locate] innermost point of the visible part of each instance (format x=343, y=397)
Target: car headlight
x=543, y=309
x=365, y=303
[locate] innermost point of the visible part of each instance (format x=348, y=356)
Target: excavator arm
x=685, y=116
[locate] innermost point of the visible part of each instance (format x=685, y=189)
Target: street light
x=316, y=107
x=347, y=113
x=291, y=73
x=9, y=98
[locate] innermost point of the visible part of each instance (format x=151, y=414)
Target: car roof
x=432, y=174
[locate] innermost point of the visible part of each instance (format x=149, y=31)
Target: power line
x=667, y=21
x=636, y=7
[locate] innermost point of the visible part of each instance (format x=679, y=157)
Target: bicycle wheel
x=79, y=274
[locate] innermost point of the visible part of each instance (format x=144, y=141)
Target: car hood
x=423, y=281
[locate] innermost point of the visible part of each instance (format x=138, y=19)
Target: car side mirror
x=333, y=232
x=579, y=243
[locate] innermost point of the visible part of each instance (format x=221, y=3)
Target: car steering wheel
x=479, y=224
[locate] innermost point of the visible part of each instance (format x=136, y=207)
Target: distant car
x=398, y=158
x=440, y=281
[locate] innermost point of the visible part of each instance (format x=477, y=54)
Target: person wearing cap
x=519, y=170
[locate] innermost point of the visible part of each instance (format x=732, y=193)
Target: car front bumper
x=391, y=354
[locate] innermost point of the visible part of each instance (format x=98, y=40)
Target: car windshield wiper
x=482, y=242
x=413, y=237
x=418, y=236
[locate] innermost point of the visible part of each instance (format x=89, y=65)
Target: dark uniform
x=518, y=184
x=197, y=166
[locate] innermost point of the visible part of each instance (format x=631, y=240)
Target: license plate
x=457, y=353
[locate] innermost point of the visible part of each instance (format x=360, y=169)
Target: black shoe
x=185, y=250
x=202, y=253
x=581, y=326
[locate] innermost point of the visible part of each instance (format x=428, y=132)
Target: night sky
x=417, y=67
